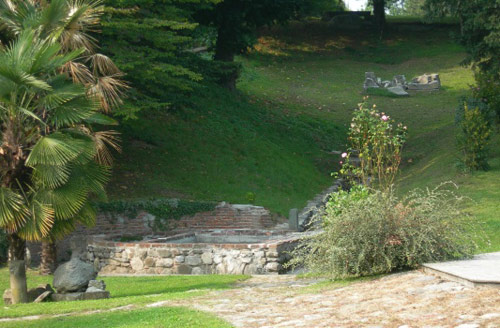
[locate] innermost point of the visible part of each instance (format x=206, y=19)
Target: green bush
x=488, y=90
x=474, y=134
x=368, y=232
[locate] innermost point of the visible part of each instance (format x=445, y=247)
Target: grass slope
x=316, y=71
x=222, y=147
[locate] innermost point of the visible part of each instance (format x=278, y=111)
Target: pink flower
x=344, y=155
x=384, y=117
x=341, y=162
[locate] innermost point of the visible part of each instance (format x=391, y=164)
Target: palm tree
x=51, y=159
x=69, y=22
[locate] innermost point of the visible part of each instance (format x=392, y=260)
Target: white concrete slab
x=482, y=269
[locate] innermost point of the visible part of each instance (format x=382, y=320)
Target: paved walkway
x=482, y=269
x=412, y=299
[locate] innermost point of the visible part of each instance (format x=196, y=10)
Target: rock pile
x=75, y=279
x=398, y=84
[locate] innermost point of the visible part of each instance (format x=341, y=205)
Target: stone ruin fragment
x=399, y=86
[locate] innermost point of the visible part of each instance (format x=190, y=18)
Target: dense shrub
x=474, y=134
x=370, y=232
x=488, y=90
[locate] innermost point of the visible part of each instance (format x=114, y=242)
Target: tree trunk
x=379, y=14
x=17, y=269
x=48, y=263
x=224, y=52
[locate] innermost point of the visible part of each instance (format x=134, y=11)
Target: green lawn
x=124, y=291
x=165, y=317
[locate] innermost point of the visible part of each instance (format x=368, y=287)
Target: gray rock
x=193, y=260
x=93, y=290
x=197, y=270
x=73, y=276
x=179, y=259
x=166, y=263
x=399, y=91
x=100, y=284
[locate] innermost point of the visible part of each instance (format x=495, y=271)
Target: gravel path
x=412, y=299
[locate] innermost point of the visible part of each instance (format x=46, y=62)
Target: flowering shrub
x=474, y=134
x=370, y=232
x=377, y=141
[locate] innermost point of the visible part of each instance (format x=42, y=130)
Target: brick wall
x=225, y=216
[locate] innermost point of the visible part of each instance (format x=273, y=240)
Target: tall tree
x=480, y=35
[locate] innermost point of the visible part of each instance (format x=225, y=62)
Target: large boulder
x=73, y=276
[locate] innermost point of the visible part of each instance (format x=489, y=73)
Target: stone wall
x=224, y=216
x=170, y=258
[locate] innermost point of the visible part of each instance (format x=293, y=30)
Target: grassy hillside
x=297, y=93
x=224, y=146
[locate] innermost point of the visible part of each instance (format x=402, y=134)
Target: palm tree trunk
x=17, y=269
x=48, y=261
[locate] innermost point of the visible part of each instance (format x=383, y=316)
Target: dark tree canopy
x=236, y=22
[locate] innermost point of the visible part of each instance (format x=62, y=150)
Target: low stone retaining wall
x=196, y=258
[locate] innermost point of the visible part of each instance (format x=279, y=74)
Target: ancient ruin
x=399, y=86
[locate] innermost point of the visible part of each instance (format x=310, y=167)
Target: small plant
x=377, y=142
x=251, y=197
x=368, y=232
x=474, y=135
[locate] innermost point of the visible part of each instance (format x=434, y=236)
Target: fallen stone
x=7, y=297
x=44, y=296
x=99, y=284
x=399, y=91
x=59, y=297
x=93, y=290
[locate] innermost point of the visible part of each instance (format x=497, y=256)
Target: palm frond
x=13, y=210
x=105, y=141
x=54, y=149
x=40, y=222
x=66, y=200
x=78, y=72
x=109, y=90
x=50, y=176
x=102, y=65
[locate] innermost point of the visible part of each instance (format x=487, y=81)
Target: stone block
x=136, y=264
x=206, y=258
x=183, y=269
x=149, y=262
x=273, y=267
x=164, y=253
x=167, y=263
x=59, y=297
x=197, y=270
x=193, y=260
x=96, y=295
x=179, y=259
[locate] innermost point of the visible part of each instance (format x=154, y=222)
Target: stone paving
x=404, y=300
x=482, y=269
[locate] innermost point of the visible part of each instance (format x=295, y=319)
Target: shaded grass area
x=166, y=317
x=224, y=146
x=124, y=291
